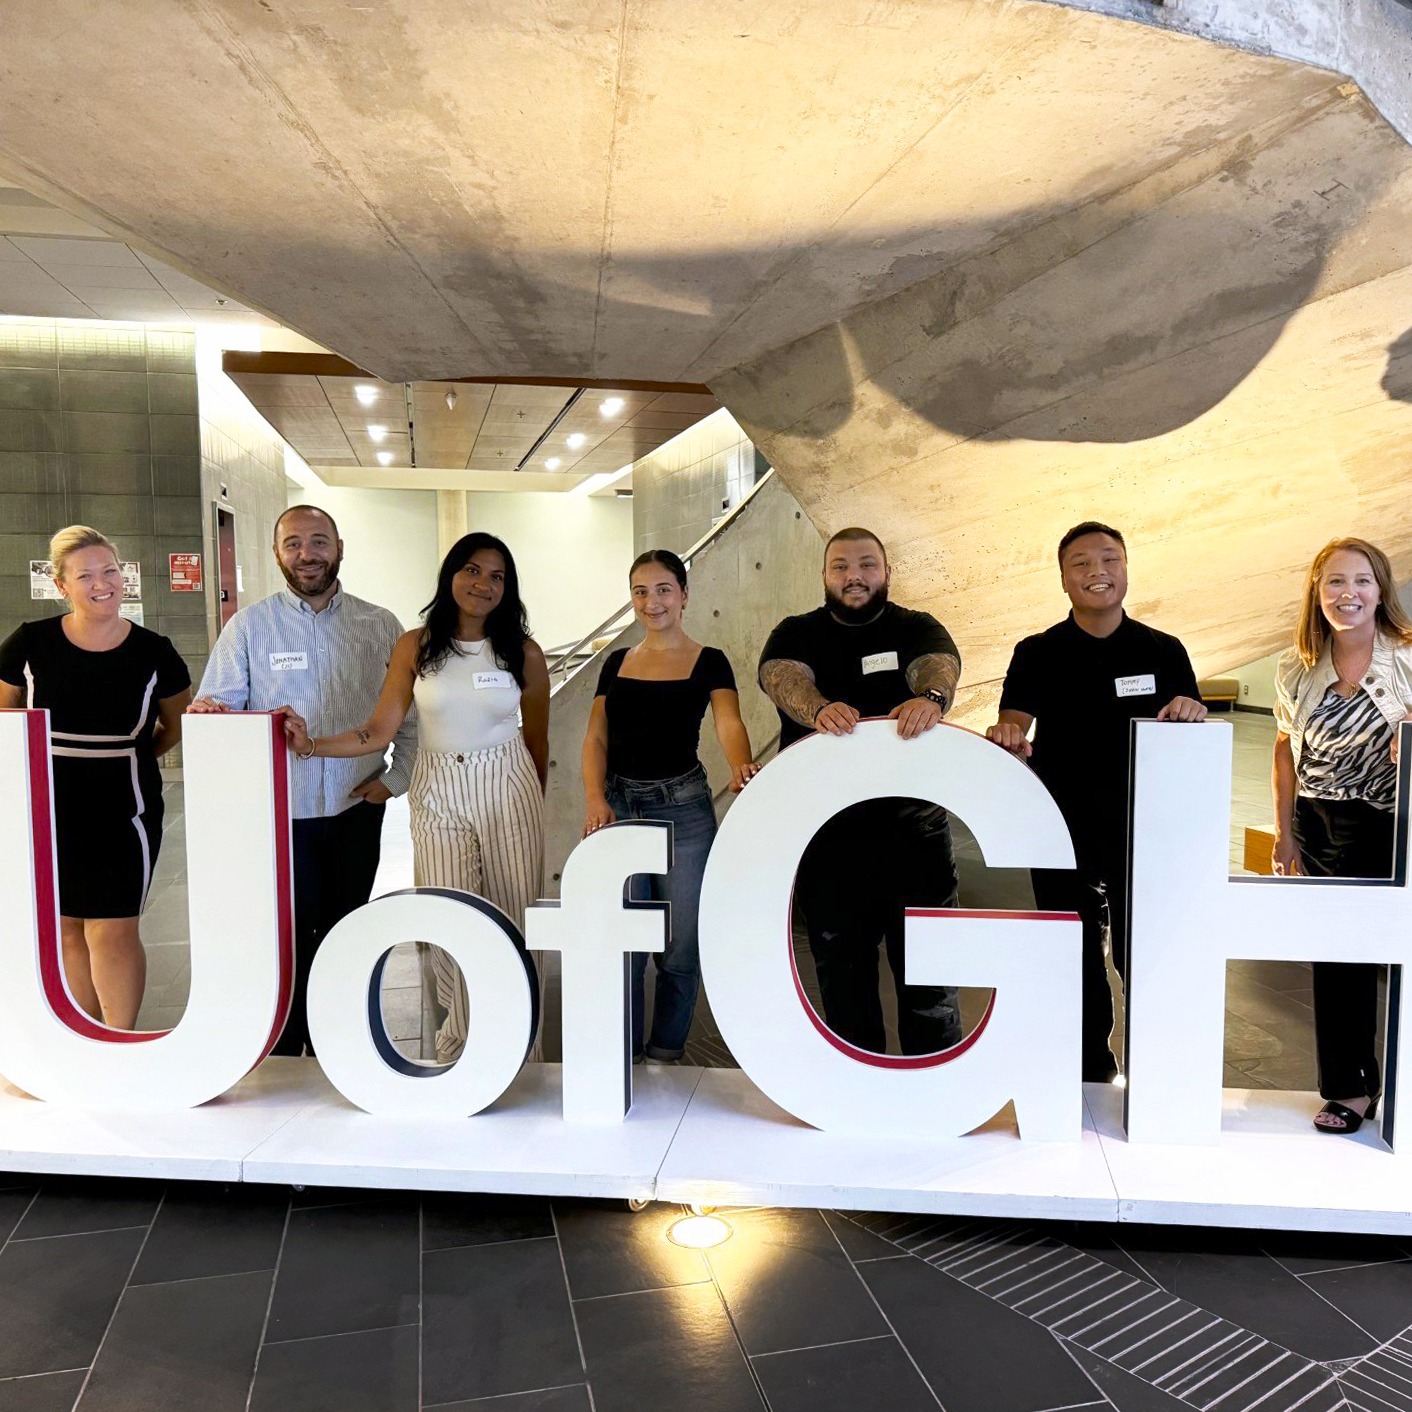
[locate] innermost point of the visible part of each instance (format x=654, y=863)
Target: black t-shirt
x=90, y=695
x=864, y=665
x=1083, y=692
x=654, y=727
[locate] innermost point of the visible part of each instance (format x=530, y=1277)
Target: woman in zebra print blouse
x=1340, y=693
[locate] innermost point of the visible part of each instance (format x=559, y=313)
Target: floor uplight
x=699, y=1232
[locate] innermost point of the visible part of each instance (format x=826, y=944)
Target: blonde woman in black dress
x=115, y=694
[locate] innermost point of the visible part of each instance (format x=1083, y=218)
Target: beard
x=863, y=612
x=312, y=588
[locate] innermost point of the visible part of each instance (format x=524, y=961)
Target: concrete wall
x=242, y=453
x=764, y=566
x=98, y=425
x=1370, y=40
x=686, y=486
x=389, y=543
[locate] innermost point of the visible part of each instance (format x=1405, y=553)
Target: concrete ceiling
x=660, y=190
x=969, y=270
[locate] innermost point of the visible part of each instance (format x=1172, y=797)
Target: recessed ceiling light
x=451, y=399
x=365, y=394
x=553, y=464
x=574, y=440
x=378, y=433
x=384, y=458
x=610, y=406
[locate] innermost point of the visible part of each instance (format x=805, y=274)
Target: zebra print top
x=1347, y=752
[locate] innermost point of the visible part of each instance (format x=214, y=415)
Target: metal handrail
x=563, y=658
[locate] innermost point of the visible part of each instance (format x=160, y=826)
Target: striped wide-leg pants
x=478, y=826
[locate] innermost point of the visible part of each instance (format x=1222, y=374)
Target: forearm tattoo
x=790, y=685
x=363, y=737
x=937, y=671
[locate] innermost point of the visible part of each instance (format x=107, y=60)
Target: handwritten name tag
x=1136, y=686
x=880, y=662
x=484, y=681
x=289, y=661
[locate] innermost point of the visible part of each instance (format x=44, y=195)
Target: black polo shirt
x=863, y=664
x=1083, y=692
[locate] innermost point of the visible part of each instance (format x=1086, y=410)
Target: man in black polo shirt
x=1081, y=683
x=859, y=656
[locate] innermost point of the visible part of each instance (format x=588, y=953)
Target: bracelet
x=313, y=746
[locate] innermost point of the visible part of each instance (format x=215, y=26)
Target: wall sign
x=1188, y=918
x=184, y=573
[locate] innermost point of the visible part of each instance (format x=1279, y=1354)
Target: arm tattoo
x=790, y=685
x=936, y=671
x=363, y=737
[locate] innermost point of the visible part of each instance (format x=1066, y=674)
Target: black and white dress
x=103, y=707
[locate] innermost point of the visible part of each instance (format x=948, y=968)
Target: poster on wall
x=132, y=581
x=41, y=580
x=184, y=572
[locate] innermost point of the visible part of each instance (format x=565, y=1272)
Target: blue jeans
x=685, y=803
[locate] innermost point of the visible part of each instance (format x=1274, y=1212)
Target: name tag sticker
x=1136, y=686
x=289, y=661
x=880, y=662
x=483, y=681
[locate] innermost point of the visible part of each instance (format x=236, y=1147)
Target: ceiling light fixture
x=553, y=464
x=365, y=394
x=610, y=406
x=384, y=458
x=699, y=1232
x=451, y=399
x=574, y=440
x=378, y=433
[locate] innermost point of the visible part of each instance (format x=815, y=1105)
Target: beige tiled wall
x=98, y=425
x=682, y=489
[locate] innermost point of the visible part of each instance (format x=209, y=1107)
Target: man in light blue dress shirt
x=324, y=652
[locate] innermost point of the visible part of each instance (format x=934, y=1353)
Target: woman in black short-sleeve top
x=115, y=693
x=640, y=762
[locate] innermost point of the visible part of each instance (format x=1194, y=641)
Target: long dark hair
x=507, y=627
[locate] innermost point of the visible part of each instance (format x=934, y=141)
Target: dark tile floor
x=126, y=1296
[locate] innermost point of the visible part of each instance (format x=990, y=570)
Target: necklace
x=1350, y=679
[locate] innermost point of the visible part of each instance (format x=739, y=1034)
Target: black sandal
x=1351, y=1121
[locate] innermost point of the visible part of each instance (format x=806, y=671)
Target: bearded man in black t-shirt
x=1081, y=684
x=860, y=655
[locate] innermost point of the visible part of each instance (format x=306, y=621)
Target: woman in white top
x=477, y=798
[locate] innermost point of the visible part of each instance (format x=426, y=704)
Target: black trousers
x=1345, y=838
x=858, y=874
x=335, y=861
x=1098, y=891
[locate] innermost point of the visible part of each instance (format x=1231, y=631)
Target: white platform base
x=710, y=1137
x=736, y=1148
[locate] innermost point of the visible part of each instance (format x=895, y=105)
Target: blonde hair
x=1313, y=630
x=73, y=538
